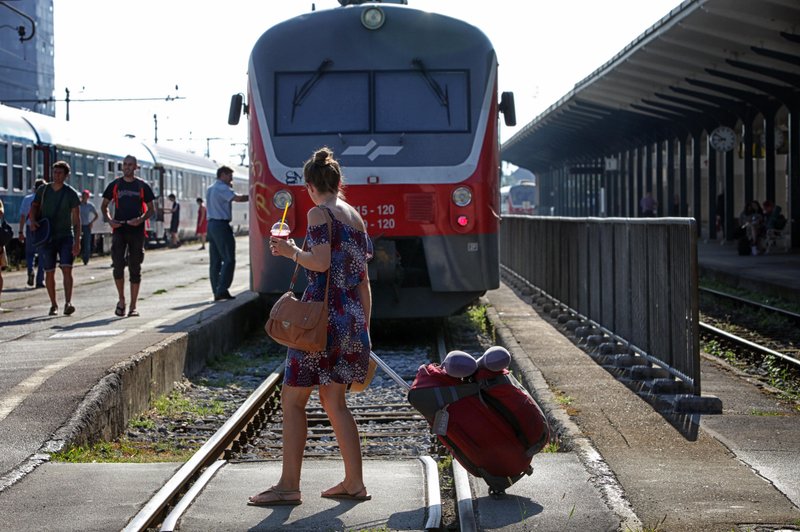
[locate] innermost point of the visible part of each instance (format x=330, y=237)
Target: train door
x=157, y=184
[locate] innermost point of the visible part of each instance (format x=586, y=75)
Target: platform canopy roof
x=706, y=63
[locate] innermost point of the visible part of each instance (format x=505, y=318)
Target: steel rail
x=755, y=304
x=747, y=344
x=205, y=456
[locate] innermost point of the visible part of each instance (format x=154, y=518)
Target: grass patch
x=478, y=318
x=125, y=451
x=160, y=291
x=552, y=447
x=766, y=413
x=142, y=422
x=176, y=403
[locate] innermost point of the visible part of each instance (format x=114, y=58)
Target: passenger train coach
x=407, y=100
x=30, y=143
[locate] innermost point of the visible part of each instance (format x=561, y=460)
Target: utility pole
x=208, y=145
x=67, y=101
x=155, y=125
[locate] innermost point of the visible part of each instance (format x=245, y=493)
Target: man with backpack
x=58, y=203
x=133, y=205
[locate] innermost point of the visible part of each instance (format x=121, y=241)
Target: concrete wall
x=130, y=386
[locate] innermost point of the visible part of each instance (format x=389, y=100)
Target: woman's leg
x=332, y=397
x=295, y=431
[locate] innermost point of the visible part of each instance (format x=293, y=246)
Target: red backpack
x=488, y=421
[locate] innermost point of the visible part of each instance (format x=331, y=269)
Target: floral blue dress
x=347, y=356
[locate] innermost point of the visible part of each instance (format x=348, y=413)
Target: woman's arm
x=365, y=295
x=316, y=259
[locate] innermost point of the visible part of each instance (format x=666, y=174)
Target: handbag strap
x=330, y=241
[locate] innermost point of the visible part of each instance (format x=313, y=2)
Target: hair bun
x=323, y=156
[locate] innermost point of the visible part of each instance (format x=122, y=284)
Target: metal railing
x=635, y=277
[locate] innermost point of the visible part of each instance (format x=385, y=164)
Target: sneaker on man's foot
x=30, y=279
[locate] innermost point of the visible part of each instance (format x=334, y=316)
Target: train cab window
x=421, y=102
x=3, y=165
x=333, y=102
x=17, y=168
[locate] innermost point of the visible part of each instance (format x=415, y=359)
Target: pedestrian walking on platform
x=174, y=221
x=133, y=205
x=336, y=267
x=221, y=244
x=202, y=223
x=59, y=203
x=25, y=236
x=88, y=216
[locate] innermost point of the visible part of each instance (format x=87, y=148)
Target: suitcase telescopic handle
x=389, y=371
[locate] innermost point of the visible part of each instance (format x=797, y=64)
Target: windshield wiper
x=301, y=93
x=442, y=95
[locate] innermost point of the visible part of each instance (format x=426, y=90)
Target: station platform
x=776, y=274
x=623, y=466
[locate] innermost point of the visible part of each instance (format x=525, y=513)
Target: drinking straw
x=284, y=215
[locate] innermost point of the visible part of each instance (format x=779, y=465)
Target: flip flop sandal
x=120, y=310
x=280, y=500
x=54, y=310
x=343, y=495
x=133, y=313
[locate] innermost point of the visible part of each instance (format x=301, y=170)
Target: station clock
x=722, y=138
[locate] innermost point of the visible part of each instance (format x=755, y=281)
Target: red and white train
x=408, y=102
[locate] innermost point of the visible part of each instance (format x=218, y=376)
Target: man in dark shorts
x=60, y=204
x=133, y=205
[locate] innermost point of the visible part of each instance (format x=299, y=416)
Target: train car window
x=411, y=102
x=28, y=184
x=3, y=165
x=179, y=192
x=337, y=102
x=17, y=169
x=77, y=178
x=112, y=170
x=100, y=166
x=40, y=173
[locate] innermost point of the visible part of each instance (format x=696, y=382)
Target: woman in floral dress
x=344, y=257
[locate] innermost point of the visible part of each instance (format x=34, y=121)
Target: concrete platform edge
x=561, y=423
x=130, y=385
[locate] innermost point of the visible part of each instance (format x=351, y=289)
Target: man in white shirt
x=221, y=244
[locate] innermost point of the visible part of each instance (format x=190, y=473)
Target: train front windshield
x=341, y=102
x=522, y=196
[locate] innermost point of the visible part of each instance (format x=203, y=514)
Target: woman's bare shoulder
x=316, y=216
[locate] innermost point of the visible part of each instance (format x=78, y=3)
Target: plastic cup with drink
x=280, y=230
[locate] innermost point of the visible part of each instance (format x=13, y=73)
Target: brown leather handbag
x=299, y=324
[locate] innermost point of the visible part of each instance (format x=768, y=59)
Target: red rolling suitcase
x=488, y=421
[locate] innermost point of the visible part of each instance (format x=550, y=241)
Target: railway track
x=388, y=426
x=751, y=336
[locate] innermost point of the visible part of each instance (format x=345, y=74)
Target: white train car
x=30, y=143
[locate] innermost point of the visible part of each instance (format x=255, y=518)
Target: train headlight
x=281, y=198
x=373, y=18
x=462, y=196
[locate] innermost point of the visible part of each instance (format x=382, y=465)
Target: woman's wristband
x=296, y=255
